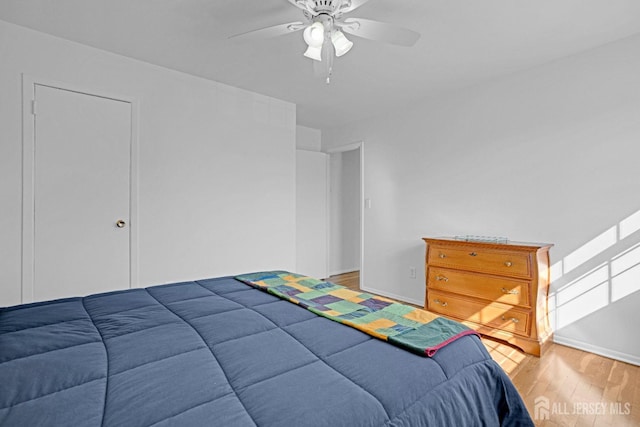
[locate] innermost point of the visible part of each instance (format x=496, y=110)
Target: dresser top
x=509, y=244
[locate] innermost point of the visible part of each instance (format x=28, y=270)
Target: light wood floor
x=577, y=387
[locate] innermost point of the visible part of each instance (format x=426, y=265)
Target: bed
x=222, y=353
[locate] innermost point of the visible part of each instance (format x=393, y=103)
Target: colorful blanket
x=414, y=329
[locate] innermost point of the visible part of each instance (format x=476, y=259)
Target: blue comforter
x=219, y=353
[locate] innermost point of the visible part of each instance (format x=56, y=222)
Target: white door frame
x=342, y=149
x=29, y=84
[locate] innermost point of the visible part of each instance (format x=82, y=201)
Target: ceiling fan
x=324, y=30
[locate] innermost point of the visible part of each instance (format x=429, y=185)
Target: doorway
x=77, y=192
x=346, y=219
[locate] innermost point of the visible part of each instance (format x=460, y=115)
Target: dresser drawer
x=496, y=315
x=494, y=288
x=483, y=260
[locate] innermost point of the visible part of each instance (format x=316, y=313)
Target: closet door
x=81, y=194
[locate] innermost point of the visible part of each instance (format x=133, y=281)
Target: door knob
x=120, y=223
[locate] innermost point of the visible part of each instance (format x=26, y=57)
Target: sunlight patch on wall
x=615, y=276
x=556, y=271
x=629, y=225
x=582, y=285
x=583, y=296
x=625, y=274
x=590, y=249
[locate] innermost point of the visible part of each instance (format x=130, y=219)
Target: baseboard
x=394, y=296
x=612, y=354
x=345, y=271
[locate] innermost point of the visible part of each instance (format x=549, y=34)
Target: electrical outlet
x=412, y=272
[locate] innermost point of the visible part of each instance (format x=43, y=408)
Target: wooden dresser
x=498, y=289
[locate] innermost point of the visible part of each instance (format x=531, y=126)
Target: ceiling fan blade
x=354, y=5
x=274, y=31
x=297, y=4
x=379, y=31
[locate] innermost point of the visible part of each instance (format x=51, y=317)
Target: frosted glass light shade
x=314, y=52
x=341, y=43
x=314, y=34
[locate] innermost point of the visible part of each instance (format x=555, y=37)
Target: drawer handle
x=442, y=255
x=473, y=254
x=442, y=278
x=510, y=291
x=508, y=263
x=437, y=301
x=513, y=319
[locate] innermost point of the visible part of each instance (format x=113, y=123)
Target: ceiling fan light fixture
x=341, y=43
x=314, y=52
x=314, y=34
x=324, y=26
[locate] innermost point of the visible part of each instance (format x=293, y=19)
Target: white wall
x=546, y=155
x=312, y=221
x=215, y=163
x=345, y=199
x=308, y=139
x=312, y=216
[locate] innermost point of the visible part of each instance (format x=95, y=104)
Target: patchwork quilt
x=412, y=328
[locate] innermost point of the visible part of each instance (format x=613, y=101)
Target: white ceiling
x=464, y=42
